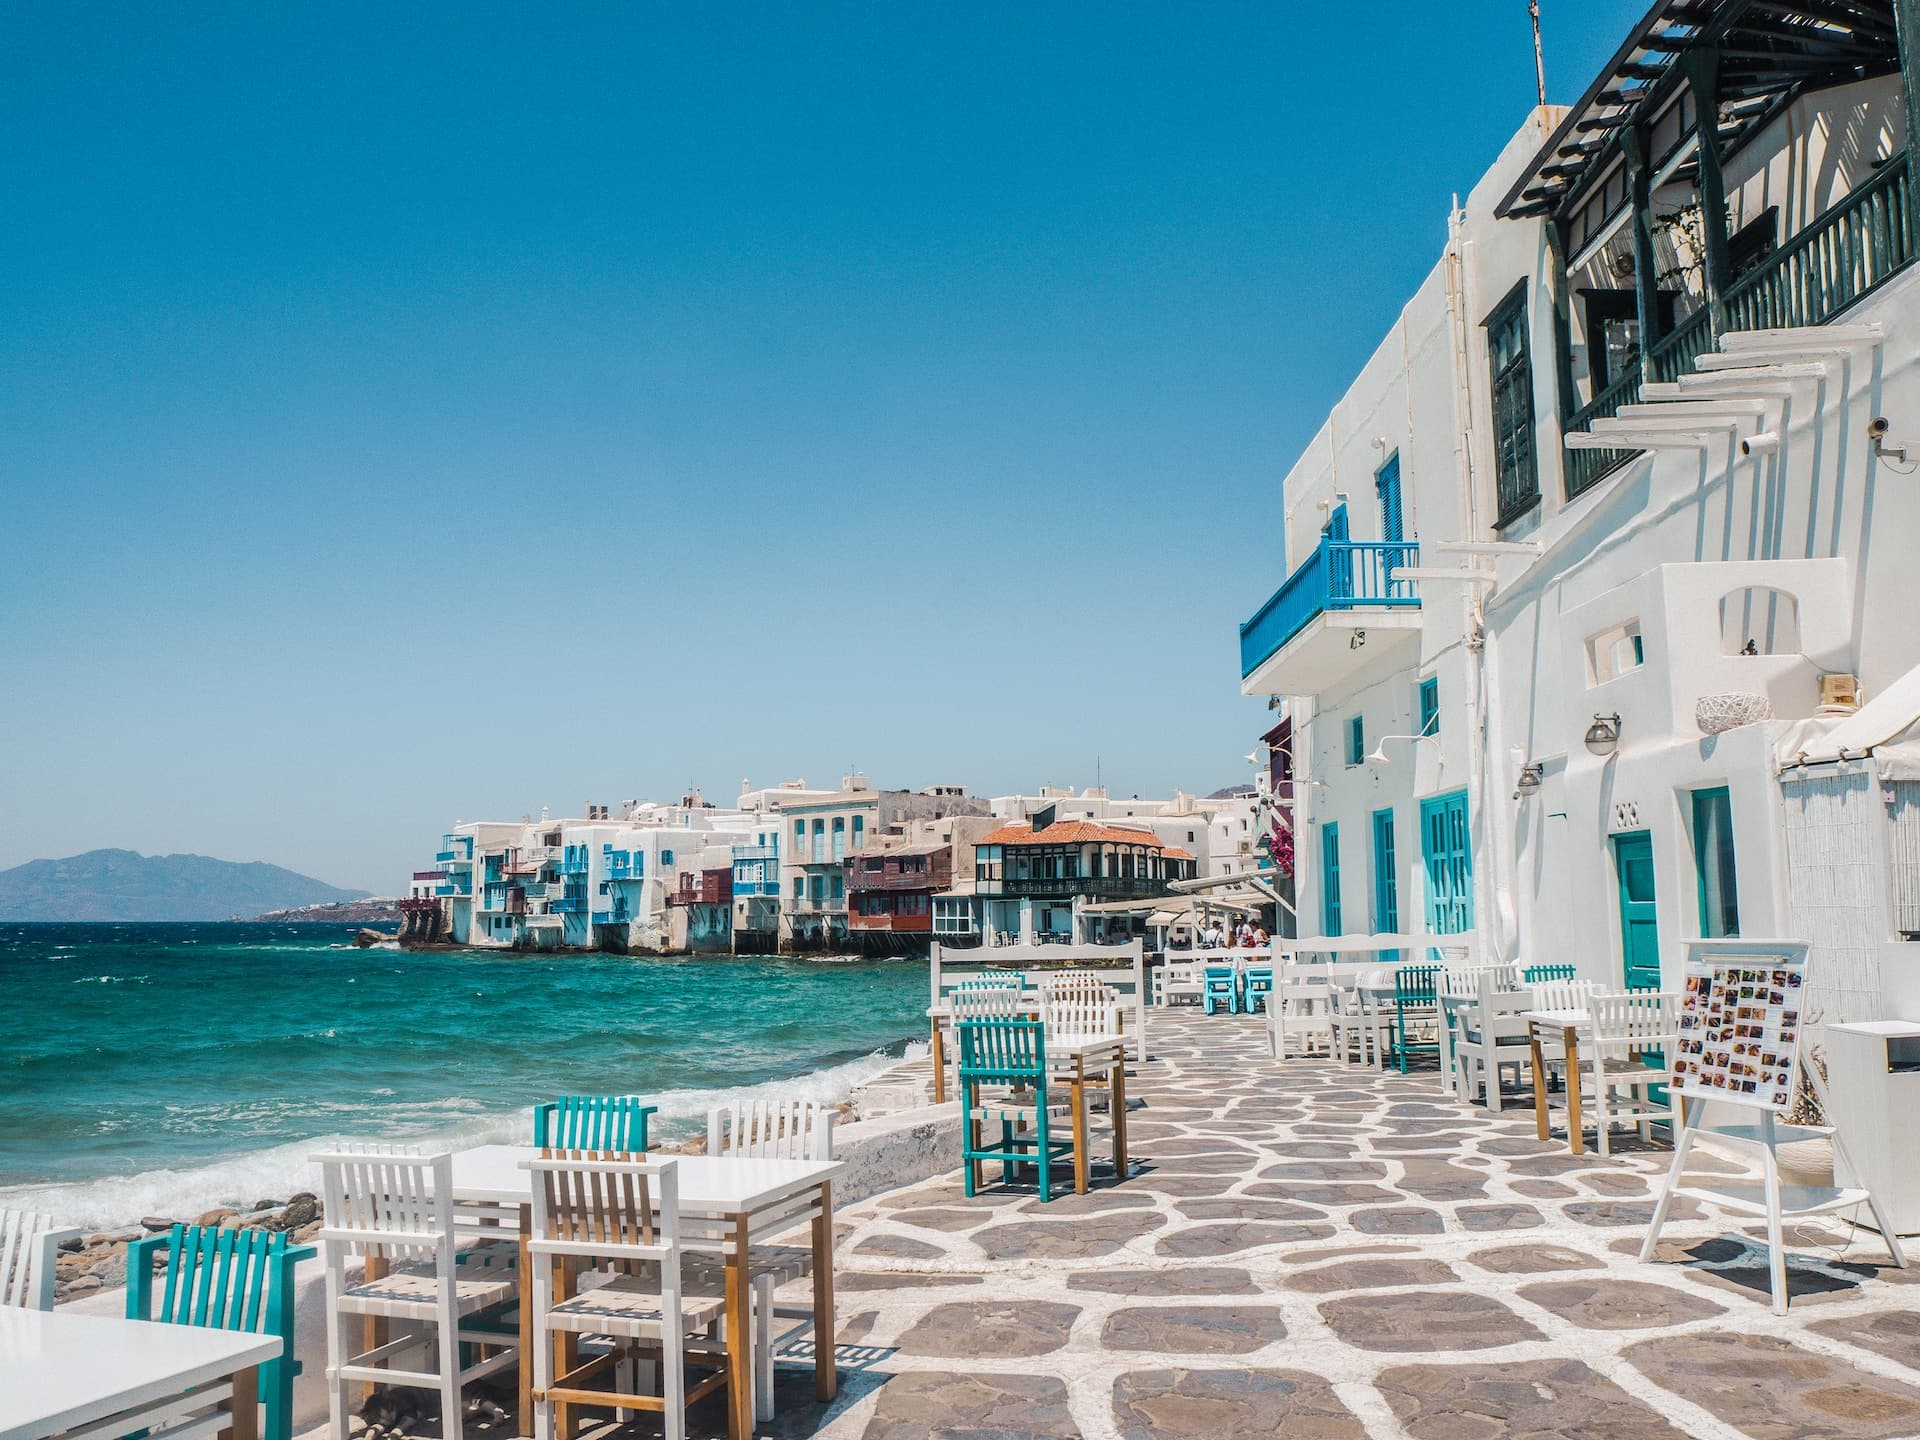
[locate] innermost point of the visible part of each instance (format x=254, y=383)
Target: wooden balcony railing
x=1853, y=248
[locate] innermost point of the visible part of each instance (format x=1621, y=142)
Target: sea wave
x=277, y=1172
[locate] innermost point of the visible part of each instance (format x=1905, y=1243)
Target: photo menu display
x=1740, y=1029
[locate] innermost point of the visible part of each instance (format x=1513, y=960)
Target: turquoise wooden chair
x=1540, y=974
x=592, y=1122
x=1220, y=985
x=1258, y=983
x=1416, y=996
x=1008, y=1052
x=997, y=976
x=226, y=1280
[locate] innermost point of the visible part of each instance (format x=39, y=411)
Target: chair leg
x=763, y=1348
x=1045, y=1161
x=448, y=1352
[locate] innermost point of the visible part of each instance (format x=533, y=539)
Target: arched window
x=1759, y=620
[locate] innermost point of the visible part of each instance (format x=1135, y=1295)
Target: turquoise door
x=1639, y=929
x=1446, y=849
x=1330, y=880
x=1386, y=884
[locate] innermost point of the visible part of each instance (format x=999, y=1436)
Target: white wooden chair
x=1362, y=1031
x=616, y=1222
x=1300, y=1014
x=1626, y=1028
x=29, y=1254
x=393, y=1208
x=1178, y=980
x=1488, y=1035
x=788, y=1129
x=1079, y=1007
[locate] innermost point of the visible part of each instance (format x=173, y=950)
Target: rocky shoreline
x=98, y=1261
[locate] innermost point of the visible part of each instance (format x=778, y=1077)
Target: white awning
x=1887, y=727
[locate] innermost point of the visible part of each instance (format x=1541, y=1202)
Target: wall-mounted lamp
x=1603, y=736
x=1529, y=781
x=1379, y=755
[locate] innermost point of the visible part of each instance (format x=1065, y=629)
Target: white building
x=1637, y=400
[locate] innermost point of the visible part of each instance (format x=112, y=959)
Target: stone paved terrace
x=1318, y=1253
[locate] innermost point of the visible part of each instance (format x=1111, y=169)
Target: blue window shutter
x=1387, y=482
x=1330, y=879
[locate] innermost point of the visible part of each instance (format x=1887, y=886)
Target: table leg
x=939, y=1048
x=525, y=1418
x=1539, y=1082
x=1117, y=1112
x=1574, y=1126
x=1077, y=1090
x=243, y=1409
x=739, y=1336
x=826, y=1374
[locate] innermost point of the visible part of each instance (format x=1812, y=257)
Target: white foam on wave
x=276, y=1173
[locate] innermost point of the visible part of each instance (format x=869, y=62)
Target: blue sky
x=414, y=414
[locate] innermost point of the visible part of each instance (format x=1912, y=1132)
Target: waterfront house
x=1581, y=601
x=1029, y=876
x=818, y=835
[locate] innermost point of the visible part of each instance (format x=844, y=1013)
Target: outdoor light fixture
x=1529, y=780
x=1603, y=736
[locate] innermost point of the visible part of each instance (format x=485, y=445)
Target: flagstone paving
x=1310, y=1252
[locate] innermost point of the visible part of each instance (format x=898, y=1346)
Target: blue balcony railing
x=570, y=905
x=1339, y=575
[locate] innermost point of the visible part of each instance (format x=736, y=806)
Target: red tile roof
x=1174, y=852
x=1070, y=832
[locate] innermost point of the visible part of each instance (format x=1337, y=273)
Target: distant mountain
x=122, y=885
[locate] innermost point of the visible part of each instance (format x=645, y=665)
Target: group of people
x=1247, y=937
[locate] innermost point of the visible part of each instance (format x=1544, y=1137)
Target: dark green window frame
x=1357, y=741
x=1430, y=705
x=1714, y=863
x=1516, y=468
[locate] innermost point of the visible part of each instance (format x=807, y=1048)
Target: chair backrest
x=1563, y=994
x=592, y=1122
x=1003, y=1050
x=1635, y=1020
x=1416, y=984
x=610, y=1207
x=786, y=1129
x=215, y=1279
x=971, y=1001
x=1219, y=974
x=1080, y=1011
x=387, y=1201
x=28, y=1243
x=994, y=975
x=1540, y=974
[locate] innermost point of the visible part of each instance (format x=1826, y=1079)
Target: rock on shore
x=99, y=1261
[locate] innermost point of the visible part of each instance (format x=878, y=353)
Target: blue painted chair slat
x=1540, y=974
x=1007, y=1051
x=1220, y=985
x=216, y=1279
x=1416, y=992
x=592, y=1122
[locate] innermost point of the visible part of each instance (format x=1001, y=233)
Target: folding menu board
x=1740, y=1024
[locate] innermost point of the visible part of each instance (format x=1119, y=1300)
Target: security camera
x=1878, y=427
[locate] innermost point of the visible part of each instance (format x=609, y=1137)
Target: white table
x=723, y=1201
x=1565, y=1025
x=60, y=1371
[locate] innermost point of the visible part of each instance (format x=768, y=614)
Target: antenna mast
x=1539, y=59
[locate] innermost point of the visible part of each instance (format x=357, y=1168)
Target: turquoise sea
x=164, y=1069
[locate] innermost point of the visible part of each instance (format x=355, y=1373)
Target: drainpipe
x=1496, y=921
